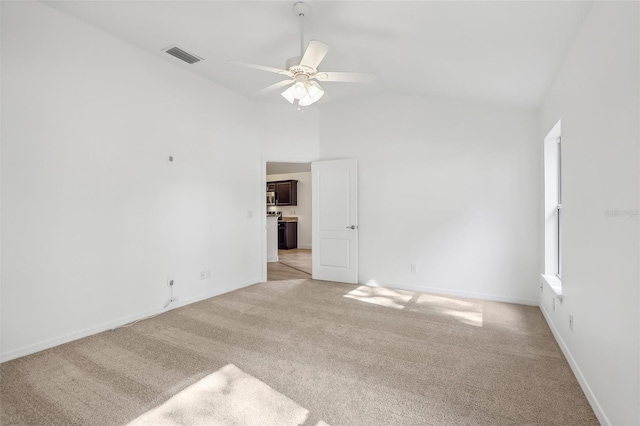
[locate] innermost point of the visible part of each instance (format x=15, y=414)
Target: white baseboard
x=215, y=292
x=304, y=246
x=467, y=294
x=110, y=325
x=595, y=405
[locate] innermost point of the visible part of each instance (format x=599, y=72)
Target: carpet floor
x=306, y=352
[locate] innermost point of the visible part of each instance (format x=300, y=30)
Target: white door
x=335, y=220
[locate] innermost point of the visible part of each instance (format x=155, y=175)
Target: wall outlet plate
x=571, y=322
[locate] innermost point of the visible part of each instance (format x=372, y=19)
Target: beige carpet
x=228, y=396
x=306, y=352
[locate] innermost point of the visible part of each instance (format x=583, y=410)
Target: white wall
x=93, y=219
x=595, y=94
x=302, y=210
x=449, y=187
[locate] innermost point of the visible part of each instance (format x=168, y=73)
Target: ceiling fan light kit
x=305, y=91
x=303, y=70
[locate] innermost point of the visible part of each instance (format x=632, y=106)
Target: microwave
x=271, y=198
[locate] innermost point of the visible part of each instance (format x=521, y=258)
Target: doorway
x=291, y=183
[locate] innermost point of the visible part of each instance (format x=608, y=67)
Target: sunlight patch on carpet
x=227, y=397
x=464, y=311
x=382, y=296
x=467, y=312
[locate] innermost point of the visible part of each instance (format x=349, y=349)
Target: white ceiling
x=504, y=52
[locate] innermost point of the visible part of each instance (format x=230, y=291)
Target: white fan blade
x=261, y=67
x=315, y=53
x=346, y=77
x=274, y=87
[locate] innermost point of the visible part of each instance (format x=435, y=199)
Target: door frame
x=263, y=205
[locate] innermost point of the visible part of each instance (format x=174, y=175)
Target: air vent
x=182, y=55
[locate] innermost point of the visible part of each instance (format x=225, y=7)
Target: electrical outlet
x=208, y=274
x=571, y=322
x=203, y=275
x=413, y=268
x=170, y=282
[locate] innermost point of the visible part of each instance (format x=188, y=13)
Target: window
x=559, y=209
x=553, y=209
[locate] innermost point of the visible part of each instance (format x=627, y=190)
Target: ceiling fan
x=302, y=71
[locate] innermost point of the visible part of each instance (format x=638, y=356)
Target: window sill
x=554, y=283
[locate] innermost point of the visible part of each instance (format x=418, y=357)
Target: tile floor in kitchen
x=293, y=264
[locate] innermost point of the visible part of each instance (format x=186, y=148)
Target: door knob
x=351, y=227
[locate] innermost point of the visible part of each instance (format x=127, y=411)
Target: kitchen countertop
x=288, y=219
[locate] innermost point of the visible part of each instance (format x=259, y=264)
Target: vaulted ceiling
x=501, y=52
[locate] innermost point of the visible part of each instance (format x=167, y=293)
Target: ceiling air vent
x=182, y=55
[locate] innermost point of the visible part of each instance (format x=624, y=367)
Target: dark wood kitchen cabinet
x=286, y=192
x=287, y=235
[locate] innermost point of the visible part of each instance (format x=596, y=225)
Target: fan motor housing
x=293, y=62
x=294, y=67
